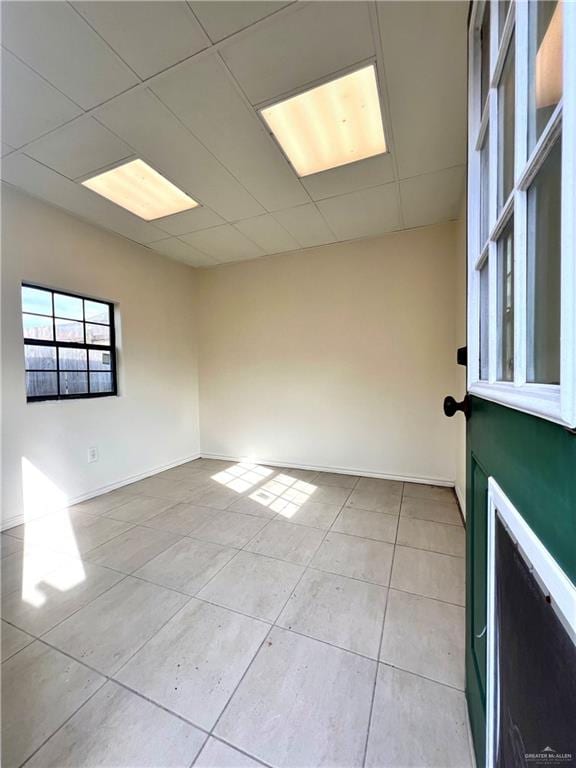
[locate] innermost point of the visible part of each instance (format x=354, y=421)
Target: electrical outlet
x=92, y=454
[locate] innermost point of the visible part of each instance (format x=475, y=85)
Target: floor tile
x=338, y=610
x=190, y=478
x=432, y=492
x=253, y=584
x=60, y=594
x=9, y=545
x=436, y=511
x=215, y=497
x=181, y=518
x=23, y=570
x=416, y=723
x=308, y=475
x=118, y=729
x=105, y=502
x=437, y=537
x=375, y=500
x=334, y=478
x=301, y=703
x=429, y=574
x=216, y=754
x=355, y=557
x=369, y=525
x=69, y=532
x=163, y=489
x=231, y=529
x=389, y=487
x=132, y=549
x=140, y=508
x=13, y=640
x=424, y=636
x=187, y=566
x=329, y=494
x=248, y=506
x=41, y=689
x=109, y=630
x=314, y=515
x=295, y=543
x=194, y=663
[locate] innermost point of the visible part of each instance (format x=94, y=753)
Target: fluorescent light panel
x=334, y=124
x=141, y=190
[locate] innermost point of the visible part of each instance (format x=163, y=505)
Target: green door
x=521, y=294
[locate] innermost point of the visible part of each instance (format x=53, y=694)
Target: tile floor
x=230, y=615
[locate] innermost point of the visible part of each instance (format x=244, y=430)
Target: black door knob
x=451, y=406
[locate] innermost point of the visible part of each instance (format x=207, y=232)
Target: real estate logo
x=549, y=756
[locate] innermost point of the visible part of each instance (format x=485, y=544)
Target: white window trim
x=545, y=569
x=553, y=402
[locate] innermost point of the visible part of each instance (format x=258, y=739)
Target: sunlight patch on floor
x=242, y=476
x=284, y=494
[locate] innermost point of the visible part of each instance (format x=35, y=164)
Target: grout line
x=371, y=713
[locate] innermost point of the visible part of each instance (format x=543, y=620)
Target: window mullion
x=493, y=206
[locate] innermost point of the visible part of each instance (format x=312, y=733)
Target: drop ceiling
x=88, y=85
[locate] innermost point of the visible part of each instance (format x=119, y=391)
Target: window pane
x=40, y=357
x=72, y=359
x=68, y=306
x=36, y=300
x=97, y=312
x=73, y=383
x=37, y=327
x=100, y=360
x=484, y=321
x=503, y=7
x=543, y=273
x=506, y=302
x=485, y=54
x=41, y=384
x=100, y=382
x=545, y=30
x=484, y=220
x=97, y=334
x=506, y=128
x=67, y=330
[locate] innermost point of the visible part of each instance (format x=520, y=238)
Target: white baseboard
x=101, y=490
x=338, y=470
x=461, y=501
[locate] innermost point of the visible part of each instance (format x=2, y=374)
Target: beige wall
x=461, y=282
x=154, y=422
x=335, y=357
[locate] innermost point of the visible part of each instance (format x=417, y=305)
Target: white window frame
x=553, y=402
x=547, y=572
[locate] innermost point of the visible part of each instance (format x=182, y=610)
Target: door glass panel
x=506, y=302
x=485, y=54
x=545, y=30
x=484, y=178
x=484, y=321
x=506, y=128
x=543, y=272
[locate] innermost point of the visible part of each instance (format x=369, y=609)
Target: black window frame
x=111, y=347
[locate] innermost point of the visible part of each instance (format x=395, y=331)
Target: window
x=522, y=206
x=69, y=345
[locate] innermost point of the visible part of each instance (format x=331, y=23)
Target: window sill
x=542, y=400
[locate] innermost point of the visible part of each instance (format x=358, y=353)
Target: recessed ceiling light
x=141, y=190
x=333, y=124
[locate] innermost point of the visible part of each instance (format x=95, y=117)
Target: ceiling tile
x=427, y=92
x=30, y=105
x=297, y=48
x=372, y=172
x=149, y=36
x=224, y=244
x=203, y=96
x=58, y=44
x=176, y=249
x=266, y=232
x=189, y=221
x=159, y=137
x=433, y=197
x=79, y=148
x=363, y=214
x=39, y=181
x=306, y=225
x=221, y=19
